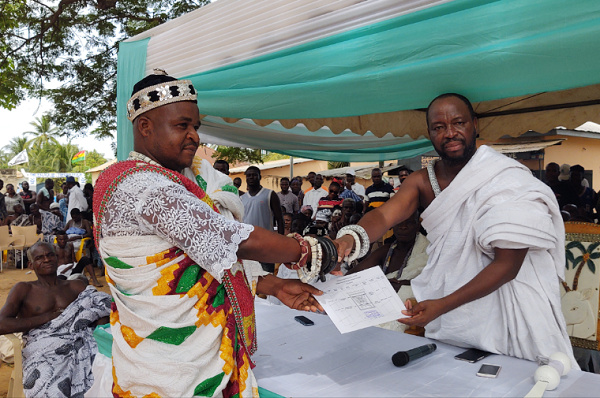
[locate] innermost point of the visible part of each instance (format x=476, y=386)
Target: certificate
x=360, y=300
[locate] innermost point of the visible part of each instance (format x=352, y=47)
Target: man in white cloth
x=496, y=253
x=76, y=198
x=57, y=318
x=183, y=315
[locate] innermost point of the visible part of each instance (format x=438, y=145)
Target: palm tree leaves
x=587, y=256
x=43, y=132
x=16, y=145
x=46, y=154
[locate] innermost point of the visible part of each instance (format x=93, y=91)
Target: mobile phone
x=304, y=320
x=487, y=370
x=472, y=355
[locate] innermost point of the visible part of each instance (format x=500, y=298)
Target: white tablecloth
x=317, y=361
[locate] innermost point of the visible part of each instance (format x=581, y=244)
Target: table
x=317, y=361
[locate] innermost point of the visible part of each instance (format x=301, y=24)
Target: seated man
x=51, y=222
x=67, y=265
x=18, y=218
x=57, y=318
x=320, y=226
x=77, y=228
x=400, y=261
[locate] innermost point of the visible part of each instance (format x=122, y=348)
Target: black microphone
x=401, y=358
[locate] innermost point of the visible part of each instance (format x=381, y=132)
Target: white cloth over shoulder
x=228, y=203
x=495, y=202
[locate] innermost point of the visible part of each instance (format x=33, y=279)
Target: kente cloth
x=183, y=316
x=58, y=356
x=495, y=202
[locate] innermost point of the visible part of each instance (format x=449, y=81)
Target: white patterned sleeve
x=179, y=217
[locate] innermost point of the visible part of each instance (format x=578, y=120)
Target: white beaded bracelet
x=357, y=246
x=365, y=243
x=315, y=263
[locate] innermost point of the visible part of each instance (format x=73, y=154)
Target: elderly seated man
x=57, y=318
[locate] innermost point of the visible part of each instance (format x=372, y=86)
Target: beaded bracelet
x=307, y=273
x=330, y=256
x=357, y=246
x=304, y=249
x=363, y=237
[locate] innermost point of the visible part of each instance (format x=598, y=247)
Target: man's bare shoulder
x=22, y=288
x=76, y=285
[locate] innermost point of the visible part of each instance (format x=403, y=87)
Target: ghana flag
x=78, y=157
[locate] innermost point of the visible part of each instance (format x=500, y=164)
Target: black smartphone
x=472, y=355
x=304, y=320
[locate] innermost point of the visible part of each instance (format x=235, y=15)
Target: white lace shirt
x=147, y=204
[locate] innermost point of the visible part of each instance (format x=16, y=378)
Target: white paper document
x=360, y=300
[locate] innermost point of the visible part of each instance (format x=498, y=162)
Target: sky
x=15, y=122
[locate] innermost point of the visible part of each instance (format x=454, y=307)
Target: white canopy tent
x=305, y=77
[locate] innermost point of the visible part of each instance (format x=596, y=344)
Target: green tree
x=52, y=157
x=16, y=145
x=337, y=165
x=238, y=155
x=43, y=132
x=274, y=156
x=73, y=43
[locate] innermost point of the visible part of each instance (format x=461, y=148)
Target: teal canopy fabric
x=320, y=145
x=130, y=70
x=485, y=50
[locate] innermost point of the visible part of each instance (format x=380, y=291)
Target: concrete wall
x=271, y=177
x=12, y=176
x=576, y=150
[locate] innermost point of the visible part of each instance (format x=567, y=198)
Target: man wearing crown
x=183, y=313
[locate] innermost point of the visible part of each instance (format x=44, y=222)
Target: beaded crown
x=157, y=90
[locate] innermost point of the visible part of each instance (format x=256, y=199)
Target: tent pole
x=291, y=167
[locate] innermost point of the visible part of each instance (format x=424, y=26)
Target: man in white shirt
x=313, y=196
x=76, y=198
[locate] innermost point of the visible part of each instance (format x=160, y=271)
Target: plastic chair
x=15, y=384
x=8, y=242
x=30, y=234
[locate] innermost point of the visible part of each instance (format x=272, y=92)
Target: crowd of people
x=64, y=216
x=186, y=252
x=577, y=201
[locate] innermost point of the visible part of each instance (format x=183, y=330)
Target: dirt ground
x=8, y=278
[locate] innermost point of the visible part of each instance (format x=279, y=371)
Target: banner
x=21, y=157
x=78, y=157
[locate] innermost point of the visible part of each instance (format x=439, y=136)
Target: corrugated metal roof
x=269, y=165
x=525, y=146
